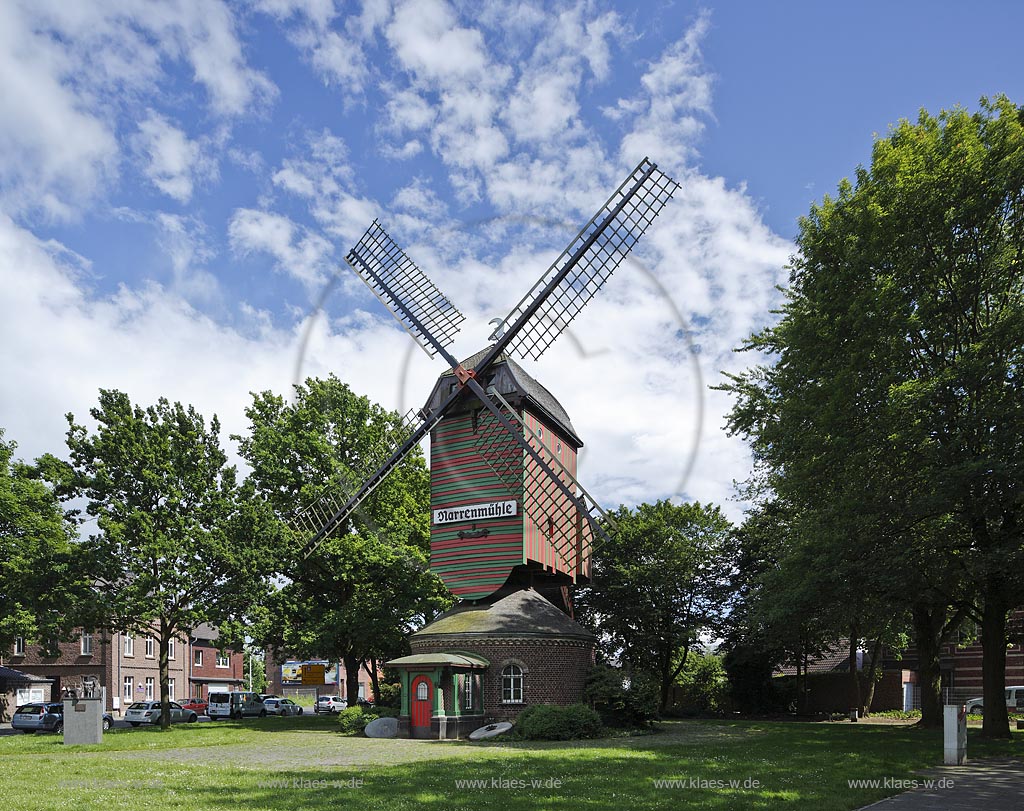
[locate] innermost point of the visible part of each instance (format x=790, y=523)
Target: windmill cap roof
x=529, y=387
x=521, y=613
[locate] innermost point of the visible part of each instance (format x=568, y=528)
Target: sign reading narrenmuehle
x=475, y=512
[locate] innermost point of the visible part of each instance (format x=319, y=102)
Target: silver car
x=148, y=712
x=38, y=717
x=281, y=706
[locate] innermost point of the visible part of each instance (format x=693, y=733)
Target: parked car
x=235, y=705
x=195, y=704
x=329, y=704
x=46, y=717
x=265, y=696
x=1014, y=701
x=282, y=706
x=148, y=712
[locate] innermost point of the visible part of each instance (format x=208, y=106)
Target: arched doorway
x=422, y=706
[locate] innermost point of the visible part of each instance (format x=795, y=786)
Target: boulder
x=382, y=728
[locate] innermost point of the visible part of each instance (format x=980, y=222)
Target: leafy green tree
x=182, y=542
x=255, y=671
x=659, y=585
x=895, y=398
x=363, y=588
x=45, y=588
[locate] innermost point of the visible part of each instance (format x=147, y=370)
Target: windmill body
x=494, y=516
x=512, y=529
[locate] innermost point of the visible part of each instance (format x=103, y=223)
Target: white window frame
x=222, y=661
x=129, y=645
x=129, y=689
x=170, y=648
x=512, y=684
x=19, y=646
x=422, y=691
x=197, y=657
x=150, y=646
x=467, y=691
x=86, y=644
x=170, y=690
x=149, y=688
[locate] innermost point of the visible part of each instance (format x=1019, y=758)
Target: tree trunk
x=869, y=688
x=927, y=639
x=165, y=705
x=351, y=679
x=855, y=702
x=374, y=679
x=993, y=661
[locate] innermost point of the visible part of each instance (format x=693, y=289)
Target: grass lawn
x=303, y=763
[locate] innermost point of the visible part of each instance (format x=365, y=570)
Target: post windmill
x=512, y=528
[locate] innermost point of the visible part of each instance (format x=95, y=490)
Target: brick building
x=126, y=667
x=486, y=661
x=213, y=670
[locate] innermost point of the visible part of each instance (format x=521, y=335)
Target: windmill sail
x=415, y=301
x=554, y=515
x=542, y=315
x=336, y=503
x=586, y=263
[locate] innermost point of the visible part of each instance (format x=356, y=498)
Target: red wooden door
x=422, y=702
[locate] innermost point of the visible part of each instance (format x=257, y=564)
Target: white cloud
x=298, y=252
x=428, y=41
x=172, y=161
x=677, y=92
x=334, y=53
x=320, y=12
x=149, y=342
x=41, y=165
x=72, y=73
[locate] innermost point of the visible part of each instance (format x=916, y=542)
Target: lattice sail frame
x=545, y=503
x=618, y=225
x=319, y=514
x=399, y=280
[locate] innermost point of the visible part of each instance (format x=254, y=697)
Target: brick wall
x=555, y=670
x=831, y=692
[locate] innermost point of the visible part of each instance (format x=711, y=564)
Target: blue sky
x=180, y=181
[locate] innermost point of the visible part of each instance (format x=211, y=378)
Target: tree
x=45, y=588
x=255, y=671
x=358, y=594
x=182, y=542
x=659, y=584
x=896, y=391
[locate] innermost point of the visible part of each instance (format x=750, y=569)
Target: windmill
x=546, y=486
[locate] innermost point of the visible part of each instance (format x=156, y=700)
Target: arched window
x=512, y=684
x=422, y=691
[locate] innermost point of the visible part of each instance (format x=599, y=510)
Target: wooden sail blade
x=412, y=298
x=586, y=264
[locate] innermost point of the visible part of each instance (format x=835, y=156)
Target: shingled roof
x=523, y=613
x=526, y=385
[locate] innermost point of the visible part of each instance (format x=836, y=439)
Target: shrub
x=551, y=722
x=390, y=695
x=353, y=720
x=622, y=698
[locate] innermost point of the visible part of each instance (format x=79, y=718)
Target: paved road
x=985, y=785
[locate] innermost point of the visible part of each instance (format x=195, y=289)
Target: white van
x=235, y=705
